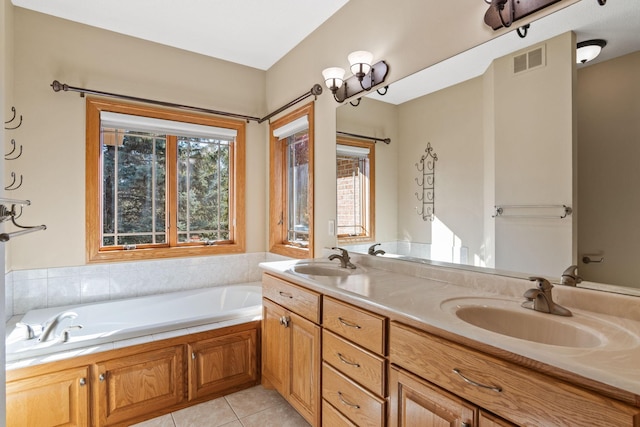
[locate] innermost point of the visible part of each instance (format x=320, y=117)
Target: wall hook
x=7, y=156
x=13, y=110
x=523, y=31
x=13, y=185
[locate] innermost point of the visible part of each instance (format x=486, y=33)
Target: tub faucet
x=372, y=250
x=345, y=261
x=570, y=276
x=539, y=299
x=50, y=325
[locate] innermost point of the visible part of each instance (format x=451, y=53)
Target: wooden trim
x=277, y=188
x=237, y=203
x=372, y=189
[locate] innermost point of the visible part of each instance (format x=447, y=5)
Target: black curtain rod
x=371, y=138
x=57, y=87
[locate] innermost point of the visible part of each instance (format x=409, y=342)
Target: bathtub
x=112, y=321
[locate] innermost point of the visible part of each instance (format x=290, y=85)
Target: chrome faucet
x=570, y=276
x=539, y=299
x=50, y=325
x=372, y=250
x=345, y=261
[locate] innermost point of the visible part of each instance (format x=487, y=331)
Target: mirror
x=507, y=137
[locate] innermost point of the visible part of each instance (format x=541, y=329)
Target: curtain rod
x=57, y=87
x=371, y=138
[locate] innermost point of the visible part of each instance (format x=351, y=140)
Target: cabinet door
x=415, y=402
x=275, y=346
x=222, y=363
x=133, y=386
x=304, y=365
x=489, y=420
x=56, y=399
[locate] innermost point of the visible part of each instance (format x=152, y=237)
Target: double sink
x=507, y=318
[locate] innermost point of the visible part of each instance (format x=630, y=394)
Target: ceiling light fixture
x=365, y=76
x=589, y=50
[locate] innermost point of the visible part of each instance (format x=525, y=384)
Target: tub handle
x=83, y=381
x=101, y=377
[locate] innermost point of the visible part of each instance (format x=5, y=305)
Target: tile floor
x=253, y=407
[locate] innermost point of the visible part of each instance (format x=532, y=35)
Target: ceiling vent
x=530, y=60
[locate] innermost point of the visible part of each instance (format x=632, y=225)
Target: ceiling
x=618, y=22
x=255, y=33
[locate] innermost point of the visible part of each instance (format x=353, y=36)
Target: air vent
x=534, y=58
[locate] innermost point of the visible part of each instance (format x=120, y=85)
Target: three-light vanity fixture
x=365, y=76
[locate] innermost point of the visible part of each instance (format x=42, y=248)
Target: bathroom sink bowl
x=507, y=317
x=323, y=269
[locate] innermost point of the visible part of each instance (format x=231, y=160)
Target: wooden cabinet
x=291, y=345
x=52, y=399
x=354, y=367
x=224, y=363
x=129, y=386
x=512, y=392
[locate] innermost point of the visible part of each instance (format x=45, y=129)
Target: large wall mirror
x=536, y=155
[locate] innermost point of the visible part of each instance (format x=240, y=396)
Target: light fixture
x=589, y=50
x=365, y=76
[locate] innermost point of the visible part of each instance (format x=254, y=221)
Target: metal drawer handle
x=343, y=360
x=467, y=380
x=285, y=294
x=344, y=402
x=351, y=325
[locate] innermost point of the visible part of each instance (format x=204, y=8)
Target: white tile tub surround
x=50, y=287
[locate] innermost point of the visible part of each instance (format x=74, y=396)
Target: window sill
x=160, y=253
x=291, y=251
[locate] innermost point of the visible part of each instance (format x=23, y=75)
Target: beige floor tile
x=235, y=423
x=281, y=415
x=253, y=400
x=213, y=413
x=163, y=421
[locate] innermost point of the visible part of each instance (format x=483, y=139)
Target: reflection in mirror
x=509, y=137
x=355, y=189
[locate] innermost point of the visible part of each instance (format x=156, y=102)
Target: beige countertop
x=421, y=297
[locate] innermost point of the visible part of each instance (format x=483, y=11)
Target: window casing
x=154, y=194
x=355, y=189
x=291, y=184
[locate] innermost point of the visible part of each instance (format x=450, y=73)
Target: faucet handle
x=542, y=283
x=343, y=252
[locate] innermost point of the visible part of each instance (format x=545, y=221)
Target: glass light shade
x=333, y=77
x=360, y=58
x=589, y=50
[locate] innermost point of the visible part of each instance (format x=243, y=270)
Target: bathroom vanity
x=389, y=349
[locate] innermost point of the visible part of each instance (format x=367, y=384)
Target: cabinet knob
x=284, y=321
x=193, y=355
x=101, y=377
x=83, y=381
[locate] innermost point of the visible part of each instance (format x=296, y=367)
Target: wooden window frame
x=94, y=250
x=278, y=203
x=372, y=190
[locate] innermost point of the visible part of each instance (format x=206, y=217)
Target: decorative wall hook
x=13, y=185
x=8, y=155
x=426, y=181
x=13, y=110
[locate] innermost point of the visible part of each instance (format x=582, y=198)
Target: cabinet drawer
x=362, y=366
x=518, y=394
x=331, y=417
x=360, y=326
x=302, y=301
x=359, y=405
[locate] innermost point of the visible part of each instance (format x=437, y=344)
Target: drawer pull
x=285, y=294
x=344, y=402
x=343, y=360
x=467, y=380
x=351, y=325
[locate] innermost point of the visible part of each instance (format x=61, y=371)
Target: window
x=291, y=184
x=355, y=163
x=162, y=183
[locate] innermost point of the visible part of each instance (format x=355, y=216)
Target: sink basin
x=507, y=317
x=323, y=269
